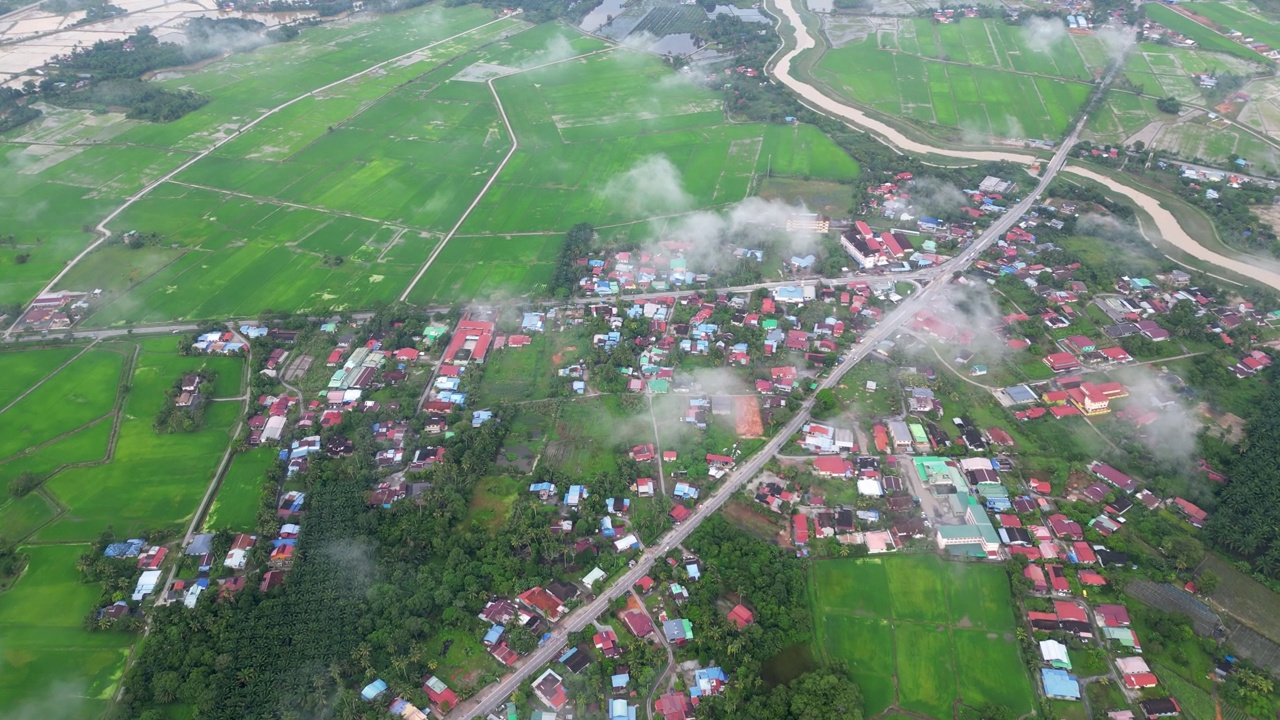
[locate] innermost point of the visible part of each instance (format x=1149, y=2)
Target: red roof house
x=741, y=616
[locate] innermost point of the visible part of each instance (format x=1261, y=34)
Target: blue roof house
x=373, y=690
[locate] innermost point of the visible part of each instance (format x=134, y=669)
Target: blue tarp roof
x=373, y=689
x=1060, y=684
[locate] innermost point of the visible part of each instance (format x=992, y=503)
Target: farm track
x=117, y=412
x=46, y=378
x=104, y=234
x=265, y=200
x=515, y=145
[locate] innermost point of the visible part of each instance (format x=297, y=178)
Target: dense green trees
x=577, y=243
x=1247, y=519
x=24, y=483
x=369, y=590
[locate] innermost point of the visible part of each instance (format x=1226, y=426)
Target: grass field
x=22, y=370
x=1167, y=70
x=49, y=664
x=591, y=434
x=1241, y=17
x=19, y=517
x=977, y=76
x=943, y=631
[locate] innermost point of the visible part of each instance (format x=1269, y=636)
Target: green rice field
x=142, y=481
x=939, y=631
x=50, y=666
x=1205, y=37
x=235, y=508
x=978, y=76
x=1240, y=17
x=391, y=129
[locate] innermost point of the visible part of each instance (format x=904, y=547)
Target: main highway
x=488, y=699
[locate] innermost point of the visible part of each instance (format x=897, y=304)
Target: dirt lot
x=740, y=512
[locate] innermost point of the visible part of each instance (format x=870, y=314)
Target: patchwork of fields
x=920, y=633
x=86, y=428
x=331, y=169
x=979, y=76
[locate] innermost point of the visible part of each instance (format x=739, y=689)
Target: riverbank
x=797, y=38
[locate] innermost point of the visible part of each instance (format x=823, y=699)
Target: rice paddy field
x=86, y=428
x=920, y=633
x=1164, y=70
x=1205, y=36
x=977, y=76
x=327, y=171
x=235, y=507
x=50, y=665
x=1241, y=17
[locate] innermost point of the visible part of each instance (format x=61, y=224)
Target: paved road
x=489, y=699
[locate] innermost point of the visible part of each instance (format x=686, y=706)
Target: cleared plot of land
x=977, y=75
x=240, y=496
x=943, y=630
x=520, y=374
x=592, y=434
x=50, y=665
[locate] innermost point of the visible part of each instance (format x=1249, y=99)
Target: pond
x=821, y=6
x=601, y=15
x=788, y=665
x=676, y=44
